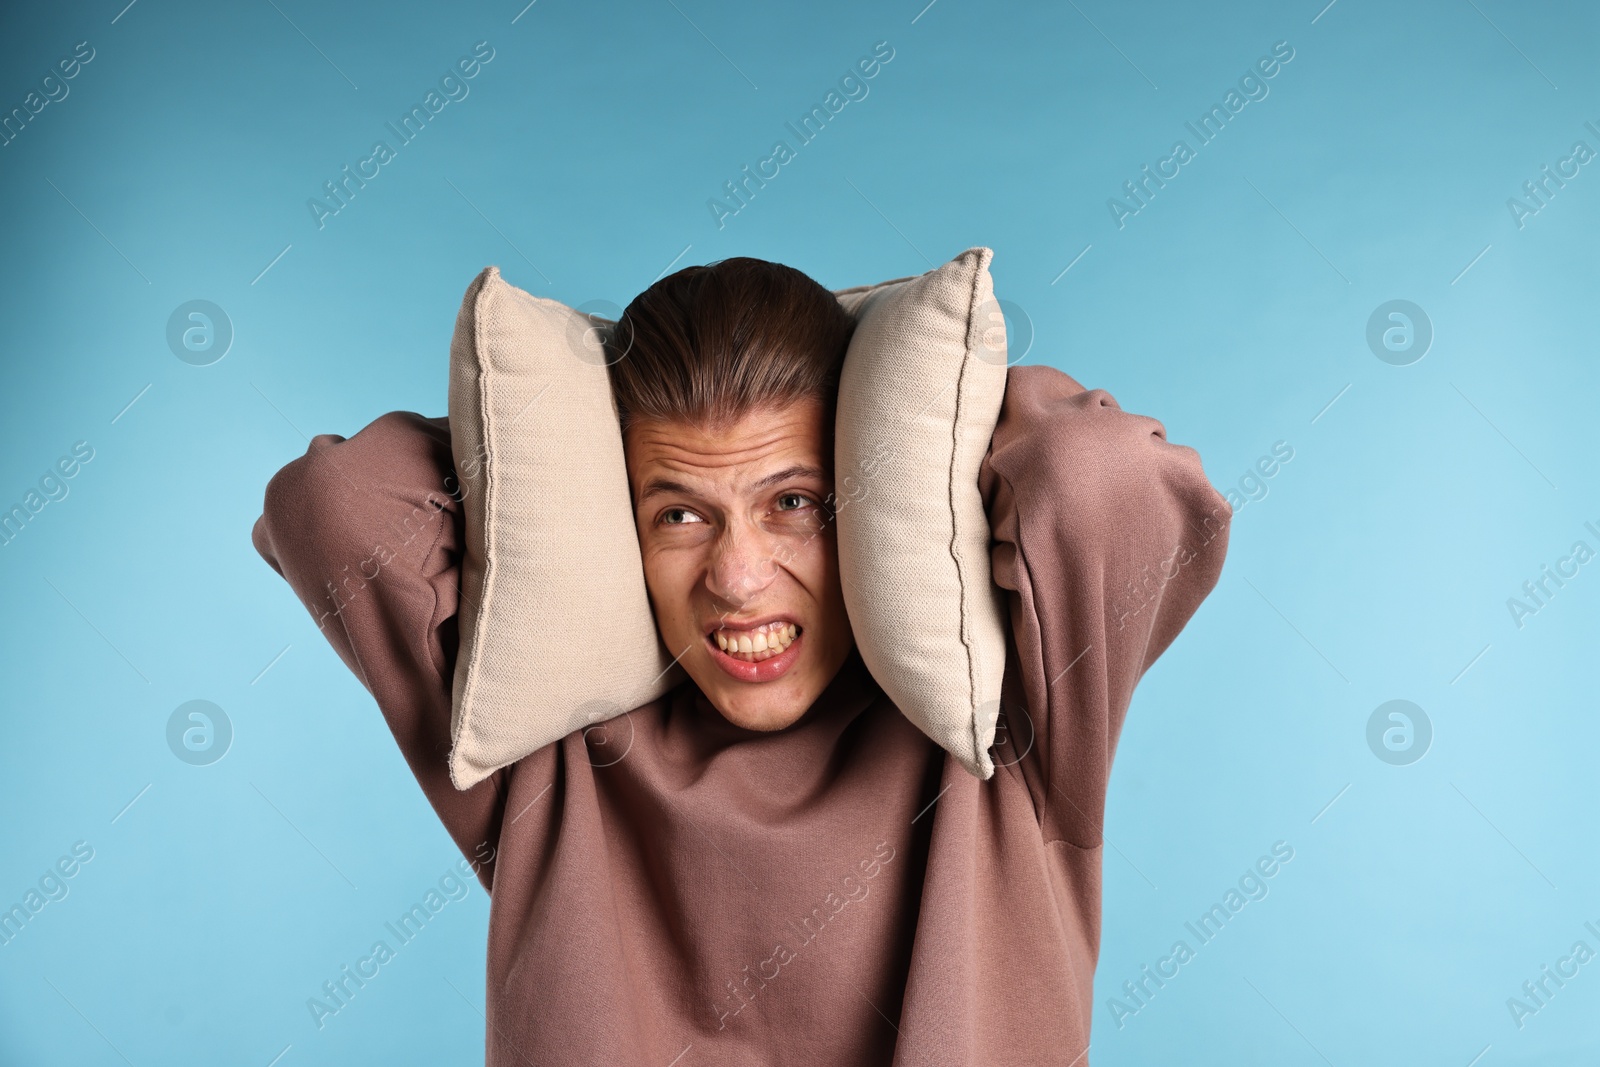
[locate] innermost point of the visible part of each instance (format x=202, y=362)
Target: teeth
x=757, y=645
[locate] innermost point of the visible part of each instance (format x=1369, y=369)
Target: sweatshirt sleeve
x=1107, y=537
x=367, y=532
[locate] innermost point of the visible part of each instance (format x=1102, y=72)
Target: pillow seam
x=955, y=530
x=490, y=484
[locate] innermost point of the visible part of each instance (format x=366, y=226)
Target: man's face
x=735, y=533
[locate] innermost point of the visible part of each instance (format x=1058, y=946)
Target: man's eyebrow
x=798, y=470
x=658, y=486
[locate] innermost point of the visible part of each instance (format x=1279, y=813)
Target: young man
x=770, y=864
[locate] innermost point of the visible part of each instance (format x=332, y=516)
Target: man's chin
x=774, y=709
x=764, y=721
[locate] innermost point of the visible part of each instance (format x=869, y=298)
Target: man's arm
x=367, y=531
x=1108, y=538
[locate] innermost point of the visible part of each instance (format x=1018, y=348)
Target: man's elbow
x=1160, y=543
x=1119, y=470
x=300, y=533
x=1115, y=490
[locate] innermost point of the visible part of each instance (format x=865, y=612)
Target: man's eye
x=690, y=517
x=794, y=496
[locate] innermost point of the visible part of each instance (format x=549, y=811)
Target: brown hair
x=708, y=344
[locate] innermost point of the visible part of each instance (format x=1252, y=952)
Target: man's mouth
x=757, y=643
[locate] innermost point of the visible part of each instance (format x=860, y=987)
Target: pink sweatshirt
x=672, y=889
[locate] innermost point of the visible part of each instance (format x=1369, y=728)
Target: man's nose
x=744, y=562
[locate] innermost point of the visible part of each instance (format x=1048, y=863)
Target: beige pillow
x=919, y=397
x=536, y=438
x=551, y=553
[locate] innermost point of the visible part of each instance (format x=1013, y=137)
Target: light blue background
x=1378, y=567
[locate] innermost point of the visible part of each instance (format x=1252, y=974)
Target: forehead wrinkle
x=714, y=463
x=727, y=442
